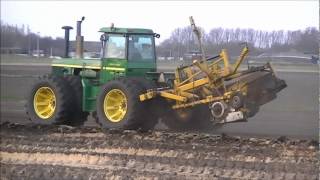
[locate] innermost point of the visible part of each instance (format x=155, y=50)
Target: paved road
x=294, y=113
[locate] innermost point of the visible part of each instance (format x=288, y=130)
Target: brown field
x=61, y=152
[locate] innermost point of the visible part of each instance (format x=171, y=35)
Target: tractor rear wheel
x=78, y=116
x=49, y=101
x=118, y=105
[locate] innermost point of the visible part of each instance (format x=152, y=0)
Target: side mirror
x=156, y=35
x=104, y=37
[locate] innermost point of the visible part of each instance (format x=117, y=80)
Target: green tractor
x=109, y=87
x=123, y=89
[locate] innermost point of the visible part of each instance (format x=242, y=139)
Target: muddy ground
x=61, y=152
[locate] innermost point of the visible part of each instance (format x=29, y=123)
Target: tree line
x=22, y=40
x=182, y=41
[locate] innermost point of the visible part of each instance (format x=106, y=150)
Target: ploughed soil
x=61, y=152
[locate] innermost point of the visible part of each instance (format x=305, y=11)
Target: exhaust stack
x=79, y=40
x=66, y=38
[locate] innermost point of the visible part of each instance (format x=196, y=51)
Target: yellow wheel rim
x=44, y=102
x=115, y=105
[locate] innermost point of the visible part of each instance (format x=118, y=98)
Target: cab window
x=115, y=47
x=140, y=48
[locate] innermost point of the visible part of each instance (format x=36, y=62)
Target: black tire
x=63, y=102
x=78, y=116
x=150, y=117
x=134, y=114
x=195, y=118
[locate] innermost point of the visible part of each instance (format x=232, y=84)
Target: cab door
x=141, y=55
x=114, y=57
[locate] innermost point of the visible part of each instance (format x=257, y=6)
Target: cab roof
x=125, y=30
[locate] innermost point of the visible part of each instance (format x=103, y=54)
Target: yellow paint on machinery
x=200, y=82
x=218, y=83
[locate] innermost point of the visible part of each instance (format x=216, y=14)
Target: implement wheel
x=49, y=101
x=118, y=105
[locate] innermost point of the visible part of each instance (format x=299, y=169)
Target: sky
x=47, y=17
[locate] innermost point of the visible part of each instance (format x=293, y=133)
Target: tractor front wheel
x=150, y=117
x=118, y=105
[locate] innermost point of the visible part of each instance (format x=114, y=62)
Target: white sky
x=47, y=17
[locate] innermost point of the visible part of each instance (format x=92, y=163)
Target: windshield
x=141, y=48
x=115, y=47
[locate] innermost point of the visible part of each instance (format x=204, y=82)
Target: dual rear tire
x=56, y=100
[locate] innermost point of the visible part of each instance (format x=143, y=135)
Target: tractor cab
x=132, y=50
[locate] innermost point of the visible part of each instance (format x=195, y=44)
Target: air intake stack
x=66, y=38
x=79, y=40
